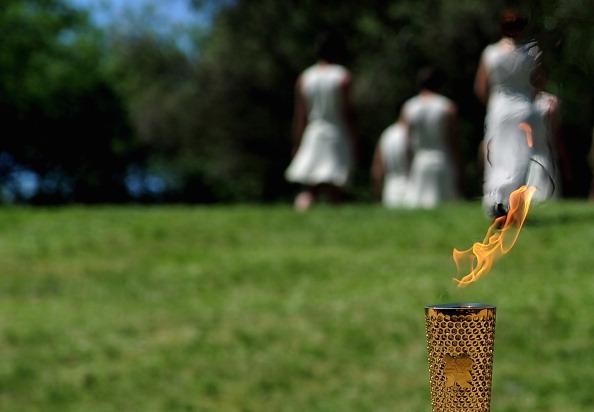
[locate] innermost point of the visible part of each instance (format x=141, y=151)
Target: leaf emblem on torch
x=457, y=371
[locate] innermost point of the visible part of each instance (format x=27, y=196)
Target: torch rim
x=462, y=305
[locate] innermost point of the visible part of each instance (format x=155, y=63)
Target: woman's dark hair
x=330, y=46
x=429, y=78
x=512, y=23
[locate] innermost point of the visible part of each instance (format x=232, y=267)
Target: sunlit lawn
x=261, y=309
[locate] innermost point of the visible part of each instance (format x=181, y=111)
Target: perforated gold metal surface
x=460, y=341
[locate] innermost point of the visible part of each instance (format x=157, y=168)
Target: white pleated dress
x=507, y=149
x=325, y=152
x=431, y=179
x=393, y=148
x=543, y=171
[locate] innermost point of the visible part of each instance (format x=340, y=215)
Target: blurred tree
x=155, y=77
x=216, y=124
x=62, y=119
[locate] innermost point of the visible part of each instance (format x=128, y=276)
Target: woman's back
x=324, y=156
x=427, y=117
x=510, y=67
x=393, y=150
x=431, y=181
x=321, y=85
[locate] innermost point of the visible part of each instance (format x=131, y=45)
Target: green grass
x=262, y=309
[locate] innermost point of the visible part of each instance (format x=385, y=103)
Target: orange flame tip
x=499, y=239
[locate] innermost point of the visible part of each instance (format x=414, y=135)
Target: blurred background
x=253, y=307
x=191, y=100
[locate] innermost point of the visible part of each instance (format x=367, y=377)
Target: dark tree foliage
x=157, y=81
x=85, y=106
x=61, y=118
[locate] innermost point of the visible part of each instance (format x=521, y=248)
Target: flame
x=500, y=238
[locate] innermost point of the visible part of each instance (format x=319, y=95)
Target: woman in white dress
x=389, y=169
x=503, y=82
x=543, y=171
x=323, y=128
x=435, y=169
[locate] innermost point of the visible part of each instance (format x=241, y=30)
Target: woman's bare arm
x=299, y=116
x=377, y=172
x=481, y=83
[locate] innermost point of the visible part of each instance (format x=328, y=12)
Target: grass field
x=251, y=308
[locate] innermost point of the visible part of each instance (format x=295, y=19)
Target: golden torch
x=460, y=341
x=461, y=336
